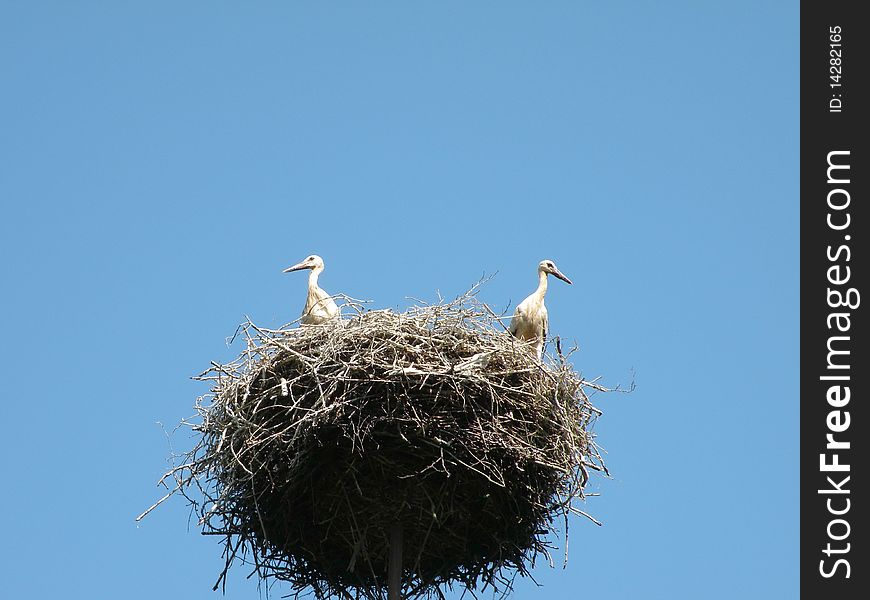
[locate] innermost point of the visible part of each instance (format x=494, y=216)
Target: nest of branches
x=318, y=441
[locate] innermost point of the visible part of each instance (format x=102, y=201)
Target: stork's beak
x=558, y=273
x=296, y=267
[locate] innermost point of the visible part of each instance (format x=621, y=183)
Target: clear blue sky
x=160, y=163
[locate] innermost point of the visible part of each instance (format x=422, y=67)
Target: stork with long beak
x=319, y=306
x=530, y=321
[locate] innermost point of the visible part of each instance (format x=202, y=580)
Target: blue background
x=162, y=162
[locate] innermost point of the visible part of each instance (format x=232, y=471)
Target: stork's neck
x=542, y=284
x=312, y=278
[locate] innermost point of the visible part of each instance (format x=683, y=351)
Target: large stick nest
x=318, y=439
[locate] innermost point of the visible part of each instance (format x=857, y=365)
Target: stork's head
x=312, y=262
x=548, y=266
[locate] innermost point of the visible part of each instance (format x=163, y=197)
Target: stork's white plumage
x=530, y=322
x=319, y=306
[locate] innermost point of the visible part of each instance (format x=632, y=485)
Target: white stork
x=529, y=322
x=319, y=306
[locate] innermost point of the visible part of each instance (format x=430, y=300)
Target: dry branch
x=318, y=440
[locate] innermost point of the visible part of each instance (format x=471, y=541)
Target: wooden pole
x=394, y=576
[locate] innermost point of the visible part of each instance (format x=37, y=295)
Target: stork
x=319, y=306
x=529, y=322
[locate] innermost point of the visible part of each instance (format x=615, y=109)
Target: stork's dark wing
x=545, y=327
x=515, y=323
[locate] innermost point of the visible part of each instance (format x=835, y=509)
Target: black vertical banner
x=835, y=370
